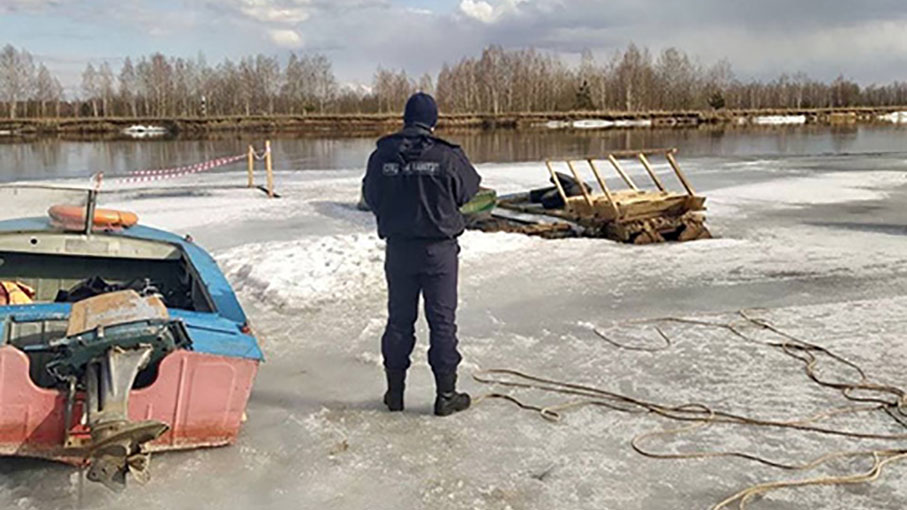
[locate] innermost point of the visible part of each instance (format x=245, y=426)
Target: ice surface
x=820, y=251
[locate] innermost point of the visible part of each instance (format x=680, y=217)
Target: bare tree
x=292, y=89
x=495, y=81
x=17, y=77
x=426, y=84
x=129, y=86
x=105, y=87
x=493, y=74
x=392, y=88
x=47, y=89
x=677, y=80
x=90, y=87
x=325, y=85
x=267, y=72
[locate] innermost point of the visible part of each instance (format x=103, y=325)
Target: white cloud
x=480, y=10
x=821, y=37
x=487, y=13
x=285, y=38
x=276, y=11
x=417, y=10
x=28, y=5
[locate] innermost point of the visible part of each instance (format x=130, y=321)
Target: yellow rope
x=703, y=416
x=745, y=495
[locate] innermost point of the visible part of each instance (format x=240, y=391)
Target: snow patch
x=476, y=245
x=141, y=131
x=313, y=270
x=593, y=124
x=307, y=271
x=604, y=123
x=894, y=117
x=633, y=123
x=778, y=120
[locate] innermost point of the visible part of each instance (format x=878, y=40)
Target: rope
x=263, y=155
x=873, y=474
x=703, y=416
x=181, y=171
x=664, y=337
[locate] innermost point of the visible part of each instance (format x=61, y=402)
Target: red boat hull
x=202, y=398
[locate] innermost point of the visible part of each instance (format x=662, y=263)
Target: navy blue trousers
x=429, y=268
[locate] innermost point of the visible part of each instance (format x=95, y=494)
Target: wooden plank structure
x=633, y=215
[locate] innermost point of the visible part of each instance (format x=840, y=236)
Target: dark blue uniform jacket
x=416, y=183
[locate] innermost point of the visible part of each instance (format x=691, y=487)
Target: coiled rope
x=867, y=395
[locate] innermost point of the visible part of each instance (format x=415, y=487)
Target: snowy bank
x=894, y=117
x=778, y=120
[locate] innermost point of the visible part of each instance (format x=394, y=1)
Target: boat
x=130, y=340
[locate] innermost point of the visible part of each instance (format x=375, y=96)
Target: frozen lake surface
x=817, y=244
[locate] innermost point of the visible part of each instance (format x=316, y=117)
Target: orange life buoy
x=73, y=215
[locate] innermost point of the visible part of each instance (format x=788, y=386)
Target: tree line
x=497, y=81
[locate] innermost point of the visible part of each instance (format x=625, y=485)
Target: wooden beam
x=605, y=190
x=632, y=154
x=269, y=169
x=251, y=166
x=582, y=186
x=648, y=167
x=683, y=178
x=557, y=183
x=623, y=174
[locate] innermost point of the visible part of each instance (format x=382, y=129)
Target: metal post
x=268, y=169
x=90, y=209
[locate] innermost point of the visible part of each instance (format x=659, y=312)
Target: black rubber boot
x=393, y=397
x=448, y=401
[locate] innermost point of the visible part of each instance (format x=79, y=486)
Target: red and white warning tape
x=171, y=173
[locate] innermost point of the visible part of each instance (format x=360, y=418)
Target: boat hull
x=202, y=397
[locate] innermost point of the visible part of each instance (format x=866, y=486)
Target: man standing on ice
x=415, y=184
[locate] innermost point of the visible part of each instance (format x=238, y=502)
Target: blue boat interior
x=192, y=286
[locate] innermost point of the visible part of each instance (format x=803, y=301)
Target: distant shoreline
x=352, y=124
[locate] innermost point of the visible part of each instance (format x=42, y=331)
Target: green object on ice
x=482, y=203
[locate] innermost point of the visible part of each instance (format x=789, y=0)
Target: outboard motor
x=110, y=339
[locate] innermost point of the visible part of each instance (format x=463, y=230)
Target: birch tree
x=17, y=77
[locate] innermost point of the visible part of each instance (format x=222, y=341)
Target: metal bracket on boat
x=74, y=353
x=117, y=444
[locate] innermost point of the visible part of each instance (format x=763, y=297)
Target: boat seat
x=21, y=334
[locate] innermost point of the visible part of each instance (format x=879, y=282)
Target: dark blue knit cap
x=421, y=109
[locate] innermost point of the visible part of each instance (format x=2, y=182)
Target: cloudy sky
x=865, y=40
